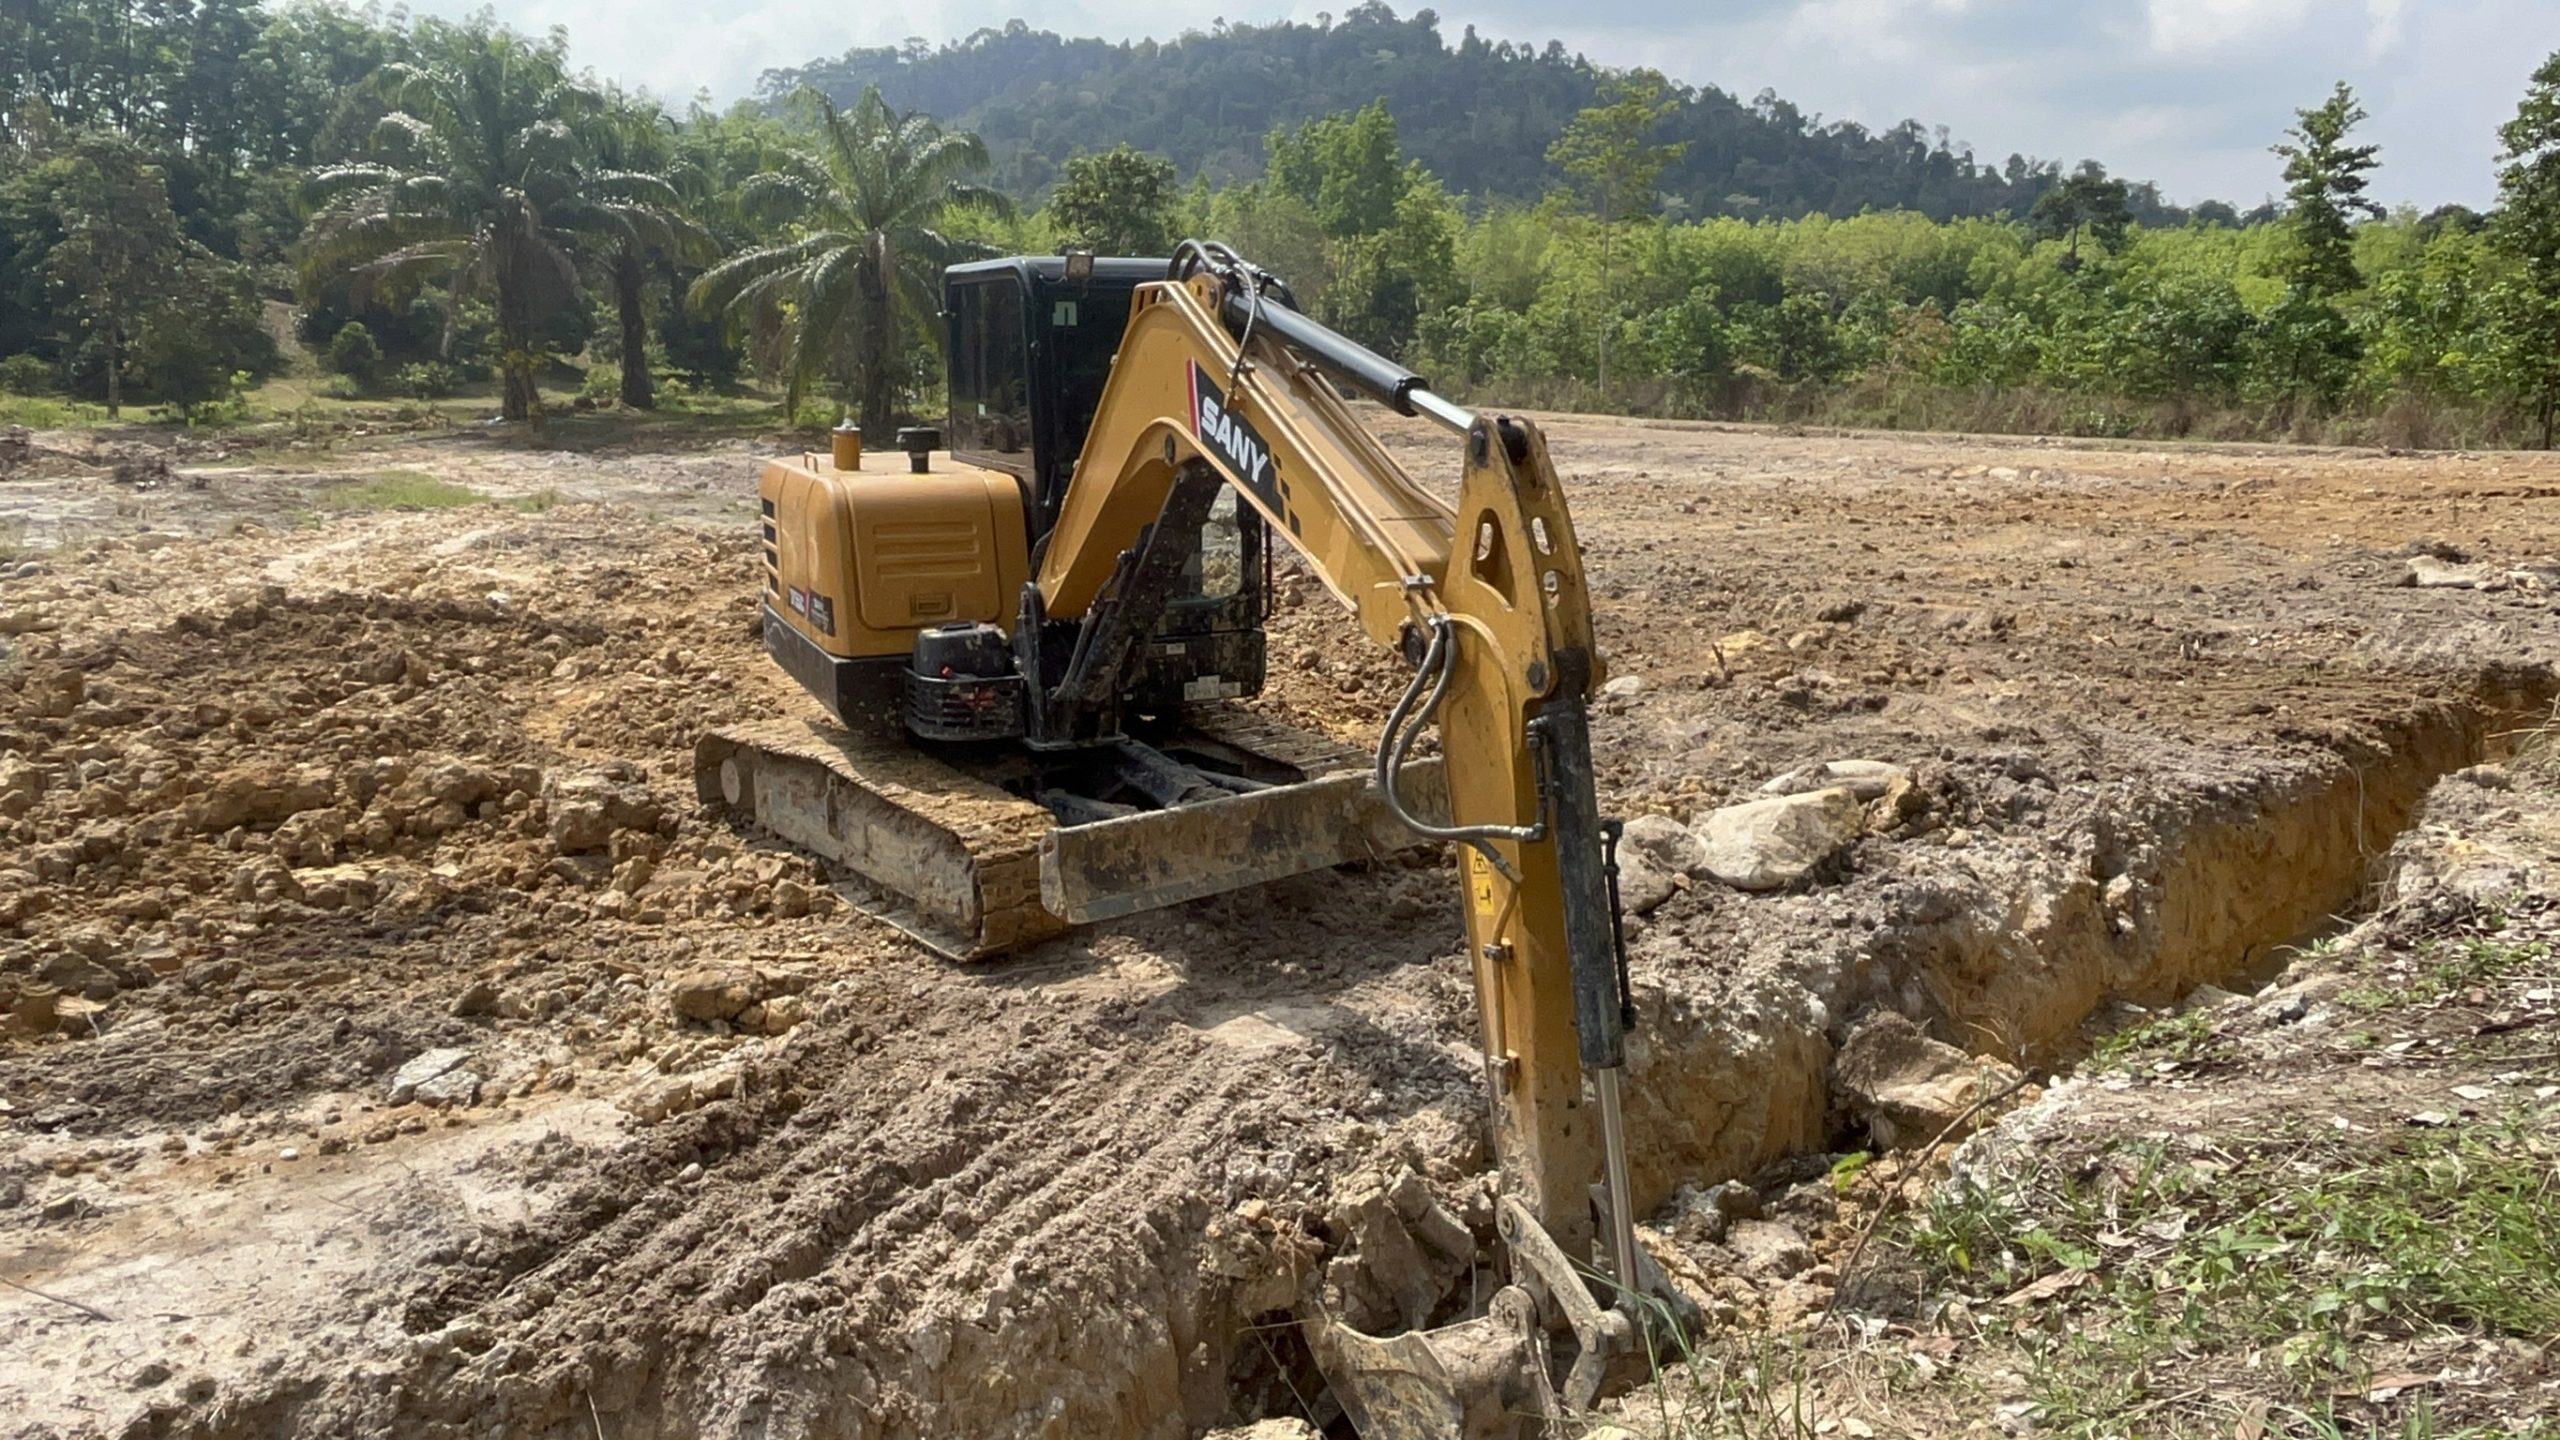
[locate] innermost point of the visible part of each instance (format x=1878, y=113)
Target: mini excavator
x=1028, y=644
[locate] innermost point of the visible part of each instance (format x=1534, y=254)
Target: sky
x=2187, y=93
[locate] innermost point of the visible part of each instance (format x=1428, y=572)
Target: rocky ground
x=395, y=1046
x=2319, y=1207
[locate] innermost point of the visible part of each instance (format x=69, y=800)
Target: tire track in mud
x=957, y=1203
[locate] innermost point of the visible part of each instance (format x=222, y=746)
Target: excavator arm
x=1219, y=382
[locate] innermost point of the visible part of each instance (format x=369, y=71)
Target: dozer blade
x=941, y=848
x=1164, y=857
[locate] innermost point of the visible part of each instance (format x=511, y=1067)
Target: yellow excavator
x=1029, y=640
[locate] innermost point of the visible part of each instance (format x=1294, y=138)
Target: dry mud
x=393, y=1046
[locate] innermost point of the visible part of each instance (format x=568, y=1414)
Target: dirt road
x=396, y=1047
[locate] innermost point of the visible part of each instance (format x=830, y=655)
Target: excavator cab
x=1030, y=342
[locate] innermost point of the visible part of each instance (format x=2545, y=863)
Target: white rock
x=1909, y=1088
x=457, y=1086
x=1665, y=842
x=423, y=1069
x=1767, y=844
x=1866, y=779
x=1624, y=687
x=1643, y=885
x=2429, y=573
x=1769, y=1248
x=1283, y=1427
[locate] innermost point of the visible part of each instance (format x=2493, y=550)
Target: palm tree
x=639, y=237
x=860, y=248
x=483, y=176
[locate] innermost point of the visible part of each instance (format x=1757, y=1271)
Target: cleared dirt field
x=390, y=1044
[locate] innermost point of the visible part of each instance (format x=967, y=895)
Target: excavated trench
x=2158, y=889
x=1076, y=1222
x=2150, y=887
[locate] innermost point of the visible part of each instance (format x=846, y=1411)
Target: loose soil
x=397, y=1047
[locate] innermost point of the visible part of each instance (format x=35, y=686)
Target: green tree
x=1348, y=169
x=198, y=348
x=1384, y=283
x=1278, y=231
x=1118, y=202
x=1800, y=340
x=1384, y=232
x=2091, y=203
x=644, y=235
x=1608, y=153
x=2418, y=321
x=2325, y=181
x=118, y=261
x=857, y=246
x=482, y=177
x=2524, y=353
x=2179, y=337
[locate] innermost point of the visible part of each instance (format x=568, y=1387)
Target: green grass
x=2187, y=1036
x=45, y=412
x=2448, y=968
x=397, y=490
x=2282, y=1258
x=311, y=408
x=13, y=539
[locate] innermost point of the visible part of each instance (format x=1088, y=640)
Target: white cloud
x=2203, y=27
x=2382, y=27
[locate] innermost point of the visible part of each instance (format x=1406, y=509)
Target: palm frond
x=721, y=286
x=333, y=180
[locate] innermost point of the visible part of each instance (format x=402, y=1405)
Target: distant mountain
x=1479, y=113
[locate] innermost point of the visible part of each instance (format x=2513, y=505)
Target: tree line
x=189, y=186
x=1478, y=112
x=437, y=204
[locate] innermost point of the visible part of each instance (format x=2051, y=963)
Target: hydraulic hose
x=1404, y=727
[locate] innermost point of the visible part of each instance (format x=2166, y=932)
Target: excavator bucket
x=1490, y=1377
x=1480, y=1379
x=976, y=852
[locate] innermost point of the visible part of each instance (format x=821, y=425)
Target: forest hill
x=160, y=198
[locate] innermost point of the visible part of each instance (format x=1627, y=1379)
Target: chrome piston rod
x=1622, y=1222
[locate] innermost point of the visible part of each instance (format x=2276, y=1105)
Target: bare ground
x=289, y=808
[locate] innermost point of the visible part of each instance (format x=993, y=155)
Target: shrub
x=426, y=380
x=203, y=402
x=26, y=375
x=354, y=353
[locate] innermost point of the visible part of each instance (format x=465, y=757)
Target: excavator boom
x=1499, y=630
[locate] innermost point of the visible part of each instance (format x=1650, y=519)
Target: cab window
x=990, y=374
